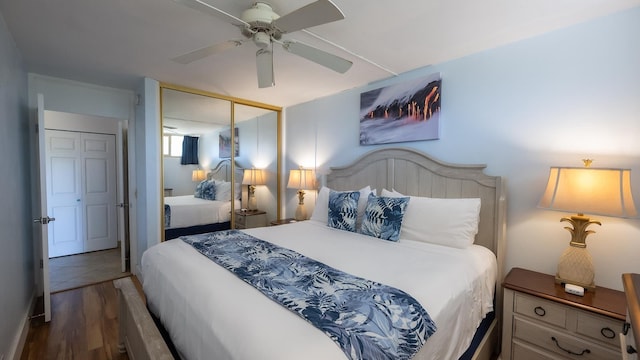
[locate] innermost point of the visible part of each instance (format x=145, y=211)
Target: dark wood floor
x=84, y=325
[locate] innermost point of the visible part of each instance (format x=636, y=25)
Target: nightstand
x=542, y=321
x=250, y=219
x=283, y=221
x=631, y=333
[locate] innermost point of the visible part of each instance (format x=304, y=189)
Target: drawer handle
x=585, y=351
x=631, y=350
x=539, y=311
x=608, y=333
x=625, y=328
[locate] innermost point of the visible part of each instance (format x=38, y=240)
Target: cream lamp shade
x=198, y=175
x=253, y=177
x=585, y=191
x=301, y=179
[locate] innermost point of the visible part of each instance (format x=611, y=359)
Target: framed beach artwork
x=225, y=143
x=409, y=111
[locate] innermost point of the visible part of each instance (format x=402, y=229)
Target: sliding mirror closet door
x=257, y=155
x=197, y=177
x=220, y=163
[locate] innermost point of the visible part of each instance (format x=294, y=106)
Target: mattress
x=188, y=210
x=207, y=310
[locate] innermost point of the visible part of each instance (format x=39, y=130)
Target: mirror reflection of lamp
x=198, y=175
x=301, y=179
x=585, y=190
x=253, y=177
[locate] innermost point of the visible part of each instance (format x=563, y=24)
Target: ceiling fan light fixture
x=262, y=39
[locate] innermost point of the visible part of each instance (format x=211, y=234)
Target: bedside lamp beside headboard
x=585, y=190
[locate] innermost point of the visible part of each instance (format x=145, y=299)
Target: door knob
x=44, y=220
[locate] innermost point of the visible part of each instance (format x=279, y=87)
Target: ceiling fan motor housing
x=260, y=16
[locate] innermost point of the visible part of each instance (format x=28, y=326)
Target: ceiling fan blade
x=318, y=56
x=316, y=13
x=264, y=63
x=206, y=51
x=212, y=10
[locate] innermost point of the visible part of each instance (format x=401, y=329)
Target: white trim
x=105, y=125
x=17, y=346
x=57, y=120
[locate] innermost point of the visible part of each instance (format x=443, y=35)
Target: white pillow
x=223, y=191
x=390, y=193
x=449, y=222
x=321, y=210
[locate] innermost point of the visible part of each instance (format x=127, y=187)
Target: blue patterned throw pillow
x=199, y=187
x=383, y=217
x=343, y=209
x=206, y=190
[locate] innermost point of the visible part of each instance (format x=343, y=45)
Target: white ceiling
x=116, y=42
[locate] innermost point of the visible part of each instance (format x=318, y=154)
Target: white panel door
x=100, y=212
x=64, y=192
x=81, y=192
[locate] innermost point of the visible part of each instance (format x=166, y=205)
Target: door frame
x=57, y=120
x=78, y=123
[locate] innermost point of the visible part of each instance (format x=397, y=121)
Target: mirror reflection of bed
x=201, y=118
x=206, y=208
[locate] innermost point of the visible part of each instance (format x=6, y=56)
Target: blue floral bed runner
x=368, y=320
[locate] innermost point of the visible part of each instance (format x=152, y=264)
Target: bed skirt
x=196, y=229
x=479, y=338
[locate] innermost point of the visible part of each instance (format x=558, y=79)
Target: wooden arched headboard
x=412, y=172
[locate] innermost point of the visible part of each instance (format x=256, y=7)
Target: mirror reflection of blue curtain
x=189, y=150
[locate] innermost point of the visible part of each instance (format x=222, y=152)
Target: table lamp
x=253, y=177
x=198, y=175
x=301, y=179
x=585, y=190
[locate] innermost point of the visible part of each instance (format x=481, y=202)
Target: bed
x=191, y=214
x=240, y=323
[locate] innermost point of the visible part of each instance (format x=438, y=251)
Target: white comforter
x=188, y=210
x=212, y=314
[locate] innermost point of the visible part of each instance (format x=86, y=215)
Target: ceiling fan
x=264, y=27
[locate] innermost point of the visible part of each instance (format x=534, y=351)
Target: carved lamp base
x=576, y=267
x=301, y=211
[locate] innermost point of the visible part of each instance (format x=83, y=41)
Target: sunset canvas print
x=409, y=111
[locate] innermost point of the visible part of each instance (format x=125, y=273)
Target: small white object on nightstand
x=574, y=289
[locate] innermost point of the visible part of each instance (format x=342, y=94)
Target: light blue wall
x=81, y=98
x=16, y=256
x=546, y=101
x=148, y=172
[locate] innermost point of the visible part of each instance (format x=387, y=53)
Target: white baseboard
x=15, y=351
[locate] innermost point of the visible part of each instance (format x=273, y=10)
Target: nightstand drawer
x=559, y=342
x=250, y=219
x=600, y=328
x=524, y=351
x=541, y=310
x=241, y=220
